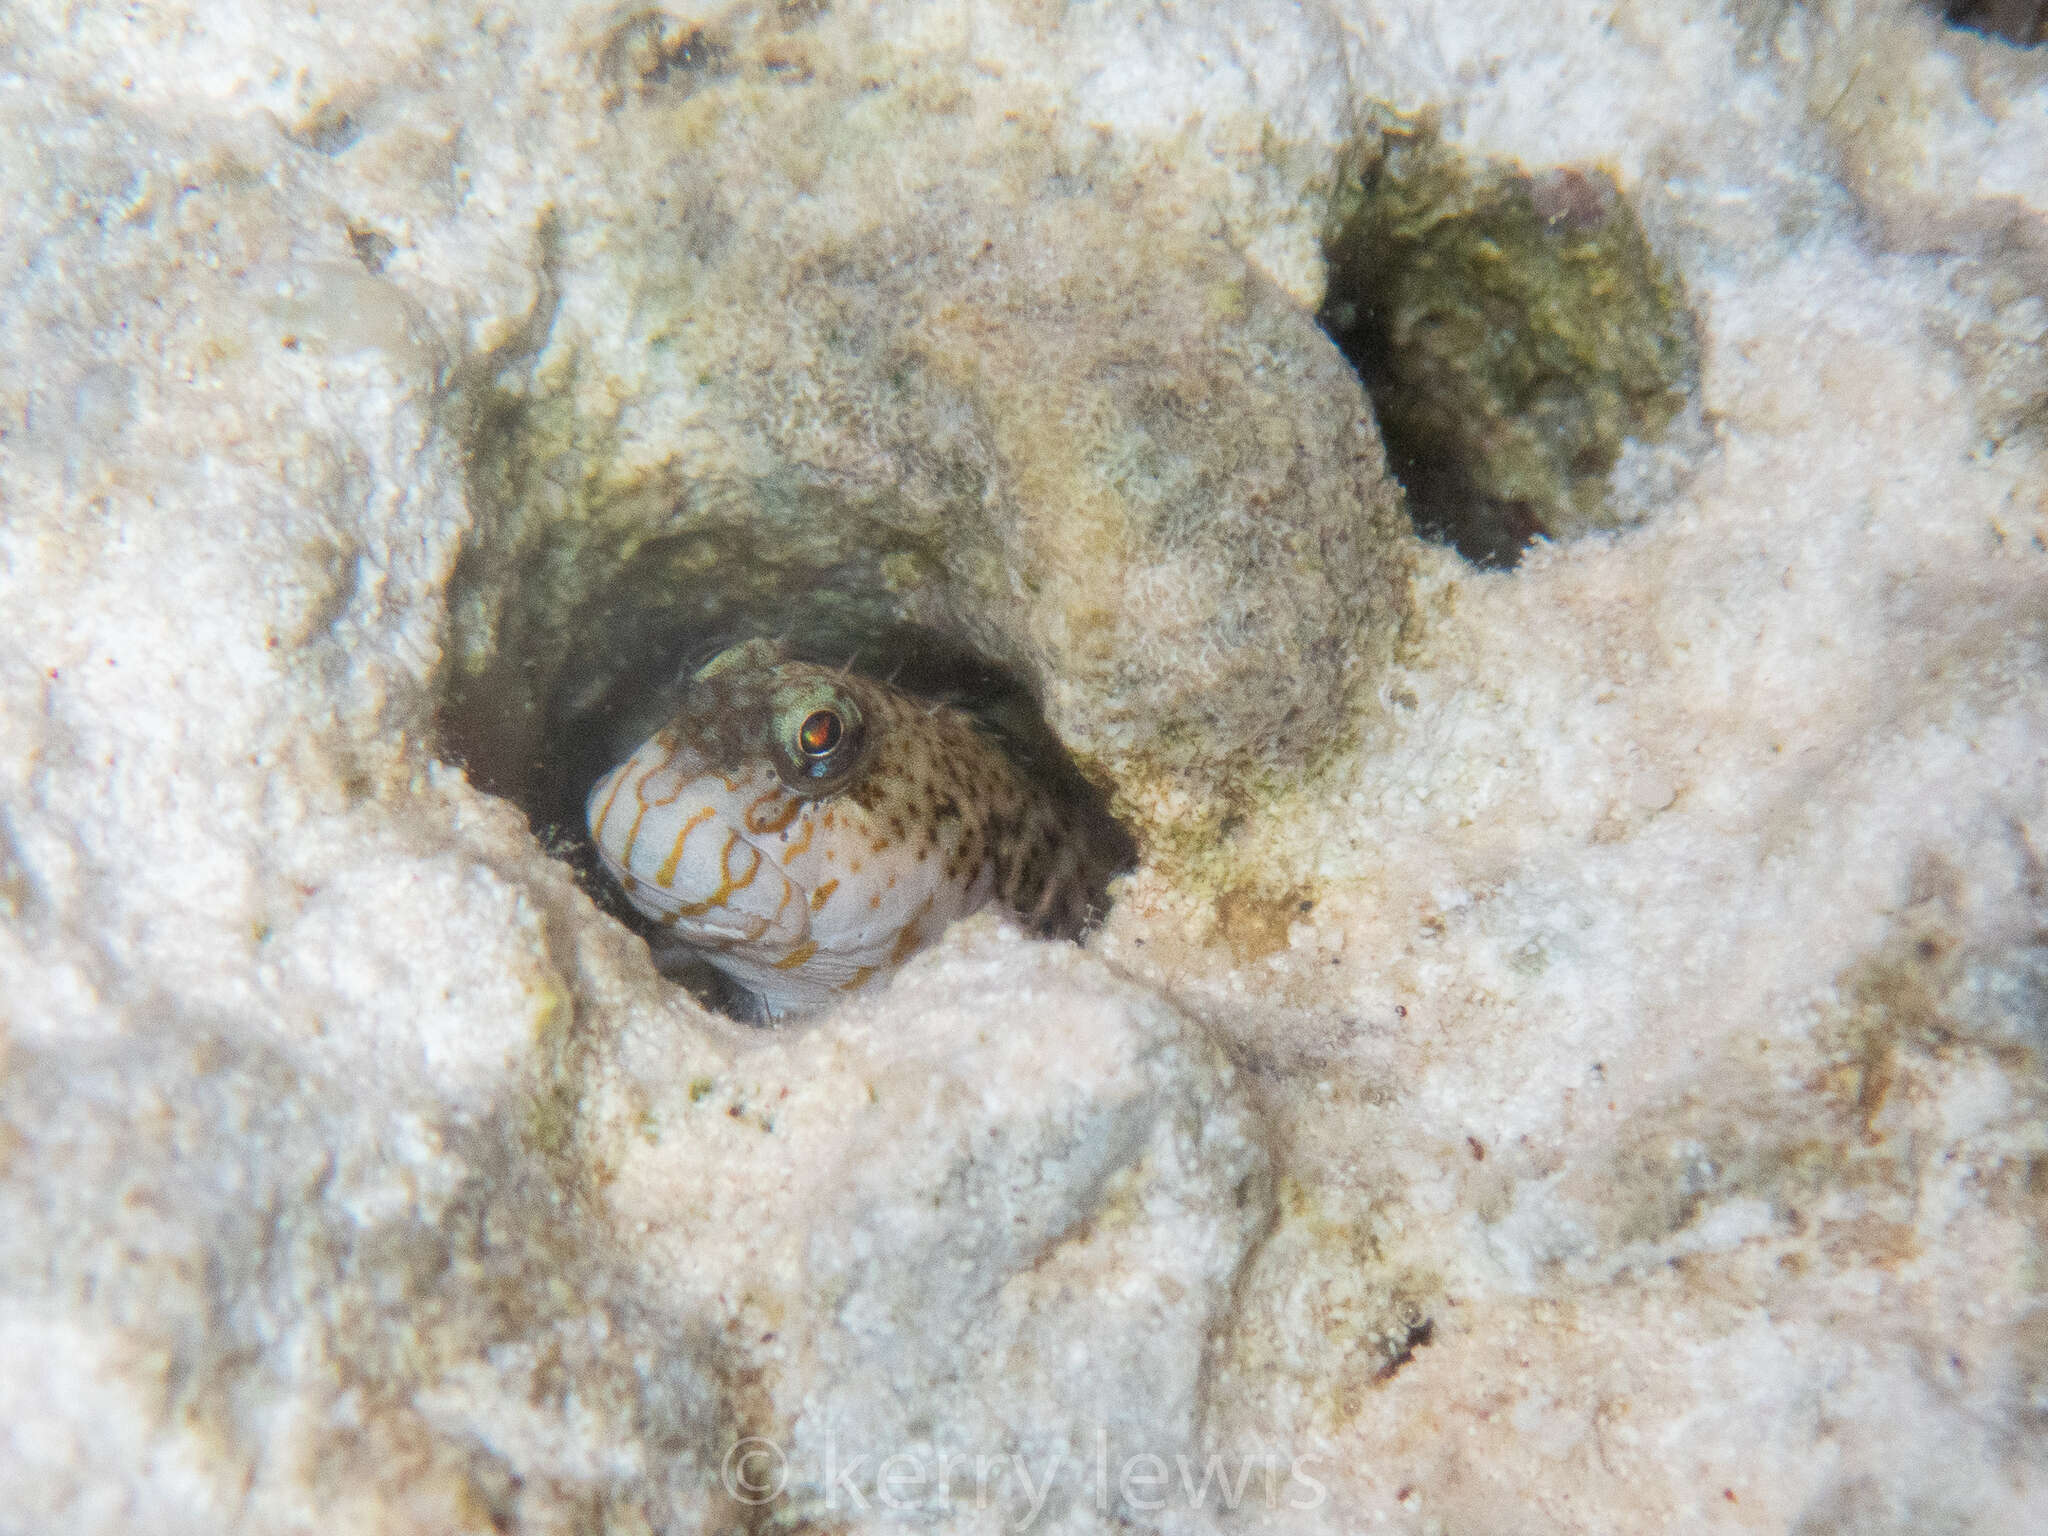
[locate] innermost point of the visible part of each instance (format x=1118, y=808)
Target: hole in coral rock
x=575, y=624
x=2020, y=22
x=1514, y=331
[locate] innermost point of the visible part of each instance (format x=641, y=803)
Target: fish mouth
x=675, y=835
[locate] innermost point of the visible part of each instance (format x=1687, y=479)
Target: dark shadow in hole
x=2023, y=23
x=1513, y=330
x=1444, y=500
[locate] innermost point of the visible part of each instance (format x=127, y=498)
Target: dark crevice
x=1514, y=331
x=569, y=692
x=2023, y=23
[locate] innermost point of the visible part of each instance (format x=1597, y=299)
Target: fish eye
x=820, y=733
x=817, y=738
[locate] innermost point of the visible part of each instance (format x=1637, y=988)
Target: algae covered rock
x=1516, y=332
x=902, y=378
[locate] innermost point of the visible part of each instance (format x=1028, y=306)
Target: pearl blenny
x=808, y=830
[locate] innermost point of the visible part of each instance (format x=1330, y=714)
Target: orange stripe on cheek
x=726, y=883
x=797, y=956
x=632, y=837
x=910, y=940
x=780, y=811
x=822, y=895
x=725, y=863
x=667, y=872
x=857, y=980
x=640, y=794
x=803, y=840
x=640, y=785
x=618, y=783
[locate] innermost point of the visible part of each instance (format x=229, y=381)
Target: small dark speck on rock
x=1418, y=1337
x=329, y=128
x=373, y=247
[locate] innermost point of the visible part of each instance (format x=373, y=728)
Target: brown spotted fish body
x=807, y=831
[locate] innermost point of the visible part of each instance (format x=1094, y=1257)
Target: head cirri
x=808, y=830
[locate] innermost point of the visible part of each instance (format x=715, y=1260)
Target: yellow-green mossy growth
x=1015, y=397
x=1514, y=331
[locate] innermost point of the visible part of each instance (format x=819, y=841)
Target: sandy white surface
x=1607, y=1099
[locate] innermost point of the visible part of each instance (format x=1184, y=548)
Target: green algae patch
x=1514, y=332
x=797, y=367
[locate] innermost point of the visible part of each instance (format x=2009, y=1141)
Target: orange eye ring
x=820, y=733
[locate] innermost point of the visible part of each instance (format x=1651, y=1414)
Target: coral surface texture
x=1533, y=515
